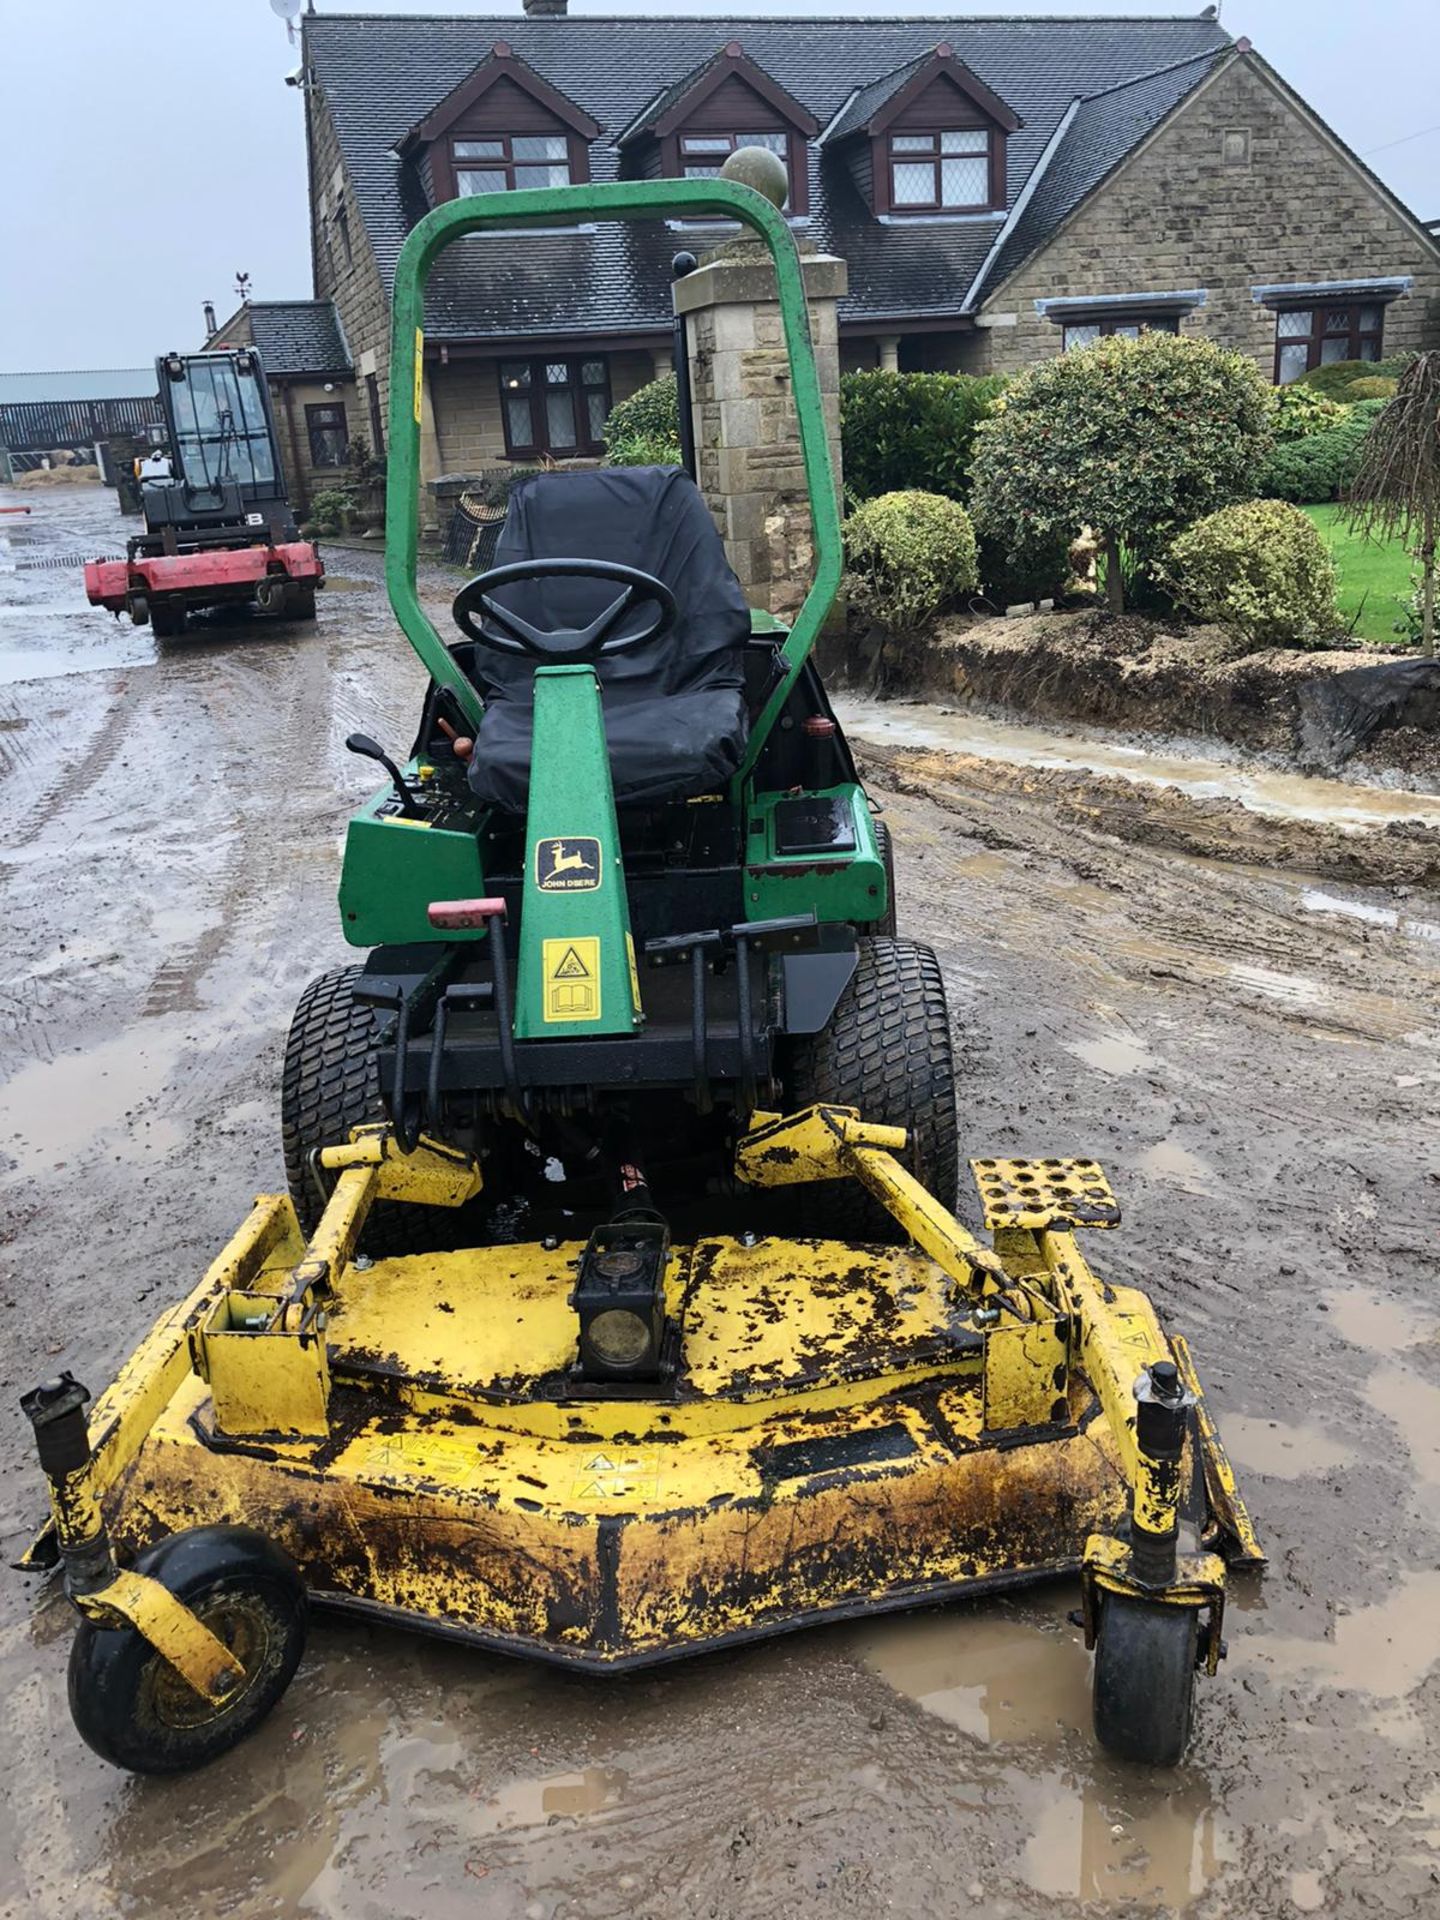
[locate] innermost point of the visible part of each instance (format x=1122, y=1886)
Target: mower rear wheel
x=300, y=602
x=1144, y=1692
x=888, y=921
x=329, y=1084
x=887, y=1051
x=167, y=622
x=130, y=1704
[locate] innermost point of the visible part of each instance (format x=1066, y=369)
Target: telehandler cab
x=632, y=967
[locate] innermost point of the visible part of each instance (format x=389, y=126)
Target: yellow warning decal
x=618, y=1475
x=571, y=970
x=634, y=970
x=419, y=372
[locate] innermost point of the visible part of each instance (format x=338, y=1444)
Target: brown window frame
x=539, y=386
x=756, y=137
x=934, y=158
x=1114, y=323
x=313, y=425
x=507, y=163
x=1320, y=311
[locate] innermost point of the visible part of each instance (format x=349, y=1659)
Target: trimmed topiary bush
x=1135, y=438
x=1261, y=569
x=912, y=431
x=1321, y=466
x=643, y=450
x=911, y=555
x=1374, y=387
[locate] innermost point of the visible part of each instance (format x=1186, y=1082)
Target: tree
x=1132, y=438
x=1396, y=492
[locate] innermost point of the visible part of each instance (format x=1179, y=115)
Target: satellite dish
x=288, y=11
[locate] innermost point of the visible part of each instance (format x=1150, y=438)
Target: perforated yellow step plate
x=1044, y=1193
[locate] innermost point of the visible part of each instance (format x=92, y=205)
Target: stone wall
x=466, y=397
x=289, y=399
x=747, y=442
x=1191, y=209
x=356, y=287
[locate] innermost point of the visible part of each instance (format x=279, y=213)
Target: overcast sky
x=151, y=147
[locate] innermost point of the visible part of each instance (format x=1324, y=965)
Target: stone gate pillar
x=747, y=440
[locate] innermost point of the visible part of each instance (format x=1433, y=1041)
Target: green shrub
x=642, y=450
x=1135, y=438
x=1375, y=387
x=1321, y=466
x=912, y=430
x=332, y=508
x=1261, y=569
x=911, y=555
x=1300, y=410
x=651, y=413
x=1336, y=379
x=1009, y=574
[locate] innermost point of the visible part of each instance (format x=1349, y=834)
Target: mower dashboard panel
x=395, y=866
x=814, y=851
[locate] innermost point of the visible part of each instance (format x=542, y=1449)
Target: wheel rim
x=244, y=1626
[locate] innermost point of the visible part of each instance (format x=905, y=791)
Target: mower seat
x=675, y=711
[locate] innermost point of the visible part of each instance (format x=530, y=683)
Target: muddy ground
x=1252, y=1053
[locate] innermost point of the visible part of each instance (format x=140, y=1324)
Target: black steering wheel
x=566, y=644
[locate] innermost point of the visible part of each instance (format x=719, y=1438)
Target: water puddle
x=1263, y=790
x=1284, y=1452
x=1167, y=1160
x=52, y=1110
x=556, y=1796
x=1379, y=1326
x=1156, y=1846
x=999, y=1678
x=1314, y=900
x=1113, y=1054
x=1413, y=1406
x=1384, y=1650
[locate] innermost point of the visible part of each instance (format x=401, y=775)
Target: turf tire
x=1144, y=1690
x=887, y=1051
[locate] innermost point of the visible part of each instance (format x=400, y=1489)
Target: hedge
x=912, y=431
x=1321, y=466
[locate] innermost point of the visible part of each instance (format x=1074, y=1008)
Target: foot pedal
x=1035, y=1194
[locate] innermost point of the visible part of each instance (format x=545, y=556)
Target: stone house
x=1000, y=189
x=319, y=415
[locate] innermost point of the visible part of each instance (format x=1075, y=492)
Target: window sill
x=931, y=219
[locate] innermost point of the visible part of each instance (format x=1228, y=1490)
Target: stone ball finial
x=761, y=169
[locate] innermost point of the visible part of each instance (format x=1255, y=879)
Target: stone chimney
x=544, y=9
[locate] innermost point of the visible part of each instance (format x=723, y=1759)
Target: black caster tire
x=300, y=603
x=328, y=1085
x=888, y=920
x=140, y=611
x=887, y=1051
x=1144, y=1689
x=132, y=1707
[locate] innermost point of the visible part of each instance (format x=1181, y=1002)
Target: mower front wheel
x=1144, y=1697
x=131, y=1705
x=887, y=1051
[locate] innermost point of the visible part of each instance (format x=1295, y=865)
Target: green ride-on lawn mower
x=633, y=964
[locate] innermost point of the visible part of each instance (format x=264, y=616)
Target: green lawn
x=1374, y=580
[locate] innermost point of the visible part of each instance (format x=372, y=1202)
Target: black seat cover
x=675, y=716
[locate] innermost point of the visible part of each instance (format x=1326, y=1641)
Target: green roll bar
x=567, y=206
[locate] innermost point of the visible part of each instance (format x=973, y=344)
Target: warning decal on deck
x=571, y=970
x=613, y=1476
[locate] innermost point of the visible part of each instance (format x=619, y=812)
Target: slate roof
x=870, y=99
x=1105, y=128
x=380, y=75
x=297, y=336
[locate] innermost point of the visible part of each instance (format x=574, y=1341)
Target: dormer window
x=703, y=154
x=940, y=172
x=508, y=161
x=502, y=130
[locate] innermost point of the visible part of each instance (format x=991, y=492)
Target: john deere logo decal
x=567, y=865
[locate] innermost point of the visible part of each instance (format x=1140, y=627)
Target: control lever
x=369, y=749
